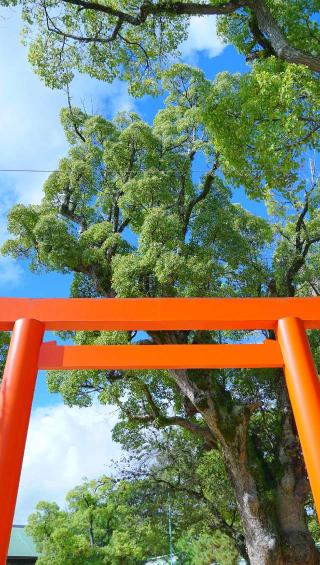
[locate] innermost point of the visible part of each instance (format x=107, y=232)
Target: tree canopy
x=135, y=40
x=98, y=526
x=151, y=210
x=127, y=521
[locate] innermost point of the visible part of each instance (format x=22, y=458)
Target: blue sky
x=65, y=444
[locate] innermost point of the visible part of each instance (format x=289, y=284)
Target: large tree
x=98, y=525
x=140, y=210
x=178, y=468
x=134, y=39
x=127, y=520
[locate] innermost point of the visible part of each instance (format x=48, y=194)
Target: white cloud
x=64, y=445
x=202, y=37
x=30, y=134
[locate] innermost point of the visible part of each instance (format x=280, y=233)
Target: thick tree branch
x=184, y=176
x=165, y=421
x=73, y=118
x=279, y=43
x=264, y=27
x=259, y=39
x=201, y=196
x=300, y=223
x=172, y=8
x=302, y=247
x=103, y=9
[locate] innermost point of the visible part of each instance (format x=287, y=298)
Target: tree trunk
x=297, y=544
x=279, y=539
x=262, y=540
x=276, y=533
x=292, y=490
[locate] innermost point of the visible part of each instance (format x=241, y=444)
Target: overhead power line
x=56, y=171
x=27, y=171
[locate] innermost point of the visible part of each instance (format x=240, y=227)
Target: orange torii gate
x=30, y=318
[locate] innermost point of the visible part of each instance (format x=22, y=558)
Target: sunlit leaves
x=263, y=122
x=97, y=526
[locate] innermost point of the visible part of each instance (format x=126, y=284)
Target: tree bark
x=276, y=533
x=292, y=490
x=281, y=46
x=261, y=540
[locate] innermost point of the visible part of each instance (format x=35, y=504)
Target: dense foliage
x=149, y=210
x=134, y=40
x=98, y=526
x=127, y=521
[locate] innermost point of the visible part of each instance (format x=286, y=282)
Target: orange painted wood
x=159, y=313
x=266, y=355
x=304, y=392
x=290, y=317
x=16, y=396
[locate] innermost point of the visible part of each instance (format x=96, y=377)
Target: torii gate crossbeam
x=28, y=319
